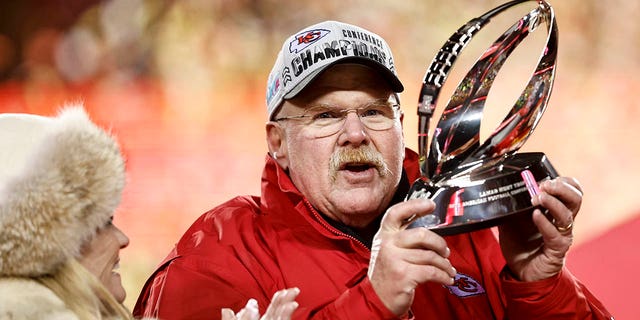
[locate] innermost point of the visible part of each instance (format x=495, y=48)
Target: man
x=331, y=220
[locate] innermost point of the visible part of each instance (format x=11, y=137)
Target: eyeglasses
x=327, y=120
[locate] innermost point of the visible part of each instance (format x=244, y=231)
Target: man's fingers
x=568, y=191
x=428, y=258
x=556, y=241
x=574, y=183
x=430, y=273
x=561, y=215
x=423, y=238
x=398, y=216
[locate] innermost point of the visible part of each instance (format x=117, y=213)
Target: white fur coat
x=24, y=299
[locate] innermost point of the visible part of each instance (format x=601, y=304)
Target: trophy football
x=478, y=185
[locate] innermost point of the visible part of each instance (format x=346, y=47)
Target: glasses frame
x=395, y=106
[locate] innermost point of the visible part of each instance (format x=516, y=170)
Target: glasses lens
x=377, y=116
x=326, y=121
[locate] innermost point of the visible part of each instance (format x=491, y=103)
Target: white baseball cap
x=313, y=49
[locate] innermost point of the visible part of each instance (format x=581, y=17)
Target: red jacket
x=250, y=247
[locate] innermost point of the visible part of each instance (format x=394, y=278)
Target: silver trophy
x=477, y=185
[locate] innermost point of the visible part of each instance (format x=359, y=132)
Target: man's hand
x=536, y=251
x=401, y=258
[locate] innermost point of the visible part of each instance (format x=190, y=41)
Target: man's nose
x=353, y=130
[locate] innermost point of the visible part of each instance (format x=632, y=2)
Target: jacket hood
x=61, y=178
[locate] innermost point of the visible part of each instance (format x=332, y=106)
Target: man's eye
x=326, y=115
x=377, y=111
x=371, y=112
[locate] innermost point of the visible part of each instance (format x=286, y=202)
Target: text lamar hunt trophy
x=478, y=185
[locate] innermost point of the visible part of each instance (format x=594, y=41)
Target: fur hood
x=61, y=178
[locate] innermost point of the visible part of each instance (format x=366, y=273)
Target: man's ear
x=276, y=142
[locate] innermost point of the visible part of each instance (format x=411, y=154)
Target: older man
x=332, y=190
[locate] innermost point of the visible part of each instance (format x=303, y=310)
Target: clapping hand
x=282, y=306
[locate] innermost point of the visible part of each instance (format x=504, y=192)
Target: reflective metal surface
x=459, y=171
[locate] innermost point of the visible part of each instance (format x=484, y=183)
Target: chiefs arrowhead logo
x=465, y=286
x=305, y=39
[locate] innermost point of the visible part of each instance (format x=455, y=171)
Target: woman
x=61, y=179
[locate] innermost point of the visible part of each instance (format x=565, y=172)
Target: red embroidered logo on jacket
x=465, y=286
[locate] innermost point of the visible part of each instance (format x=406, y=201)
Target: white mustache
x=362, y=155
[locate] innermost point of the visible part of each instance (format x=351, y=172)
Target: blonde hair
x=83, y=293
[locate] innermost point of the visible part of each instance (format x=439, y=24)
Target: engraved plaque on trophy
x=480, y=184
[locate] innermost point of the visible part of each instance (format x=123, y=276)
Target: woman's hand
x=282, y=306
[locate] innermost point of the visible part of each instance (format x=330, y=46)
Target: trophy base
x=485, y=196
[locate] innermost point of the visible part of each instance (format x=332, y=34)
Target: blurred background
x=182, y=85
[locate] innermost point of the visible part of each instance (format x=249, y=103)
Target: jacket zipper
x=331, y=228
x=339, y=233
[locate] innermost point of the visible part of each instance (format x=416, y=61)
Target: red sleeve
x=179, y=291
x=185, y=288
x=559, y=297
